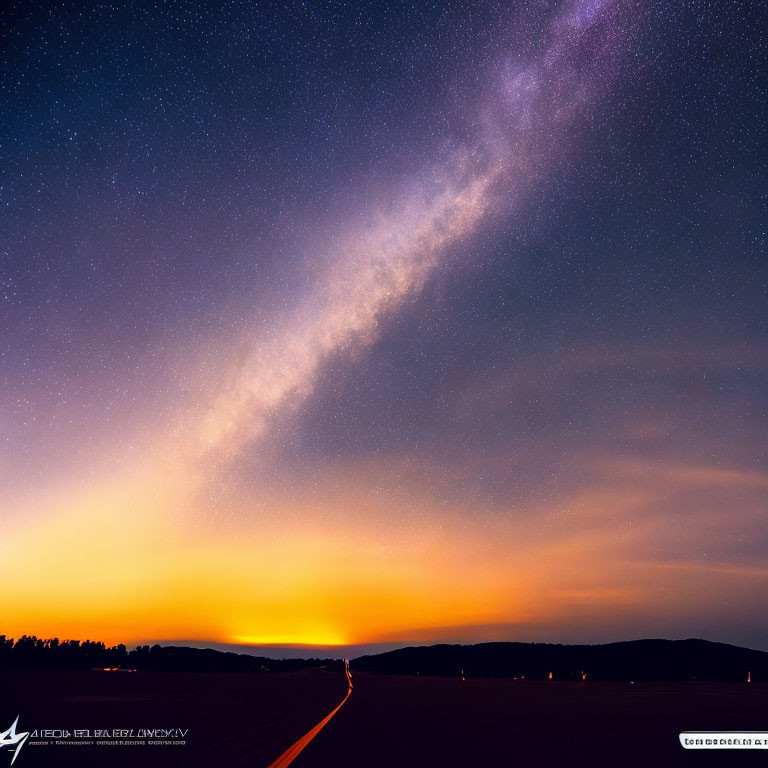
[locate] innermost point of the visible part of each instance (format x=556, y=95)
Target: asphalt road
x=297, y=747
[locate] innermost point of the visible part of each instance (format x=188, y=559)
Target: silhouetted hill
x=30, y=652
x=633, y=660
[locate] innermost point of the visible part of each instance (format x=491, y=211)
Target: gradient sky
x=375, y=322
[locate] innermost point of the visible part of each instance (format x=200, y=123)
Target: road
x=296, y=748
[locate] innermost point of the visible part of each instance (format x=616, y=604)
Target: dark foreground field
x=418, y=721
x=233, y=719
x=388, y=721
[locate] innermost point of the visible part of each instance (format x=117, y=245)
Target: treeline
x=30, y=652
x=628, y=661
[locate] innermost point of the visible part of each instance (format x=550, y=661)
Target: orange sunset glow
x=313, y=575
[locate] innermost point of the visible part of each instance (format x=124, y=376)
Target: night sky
x=377, y=322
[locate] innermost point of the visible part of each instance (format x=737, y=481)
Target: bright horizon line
x=280, y=651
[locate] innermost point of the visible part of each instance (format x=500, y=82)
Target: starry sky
x=374, y=323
